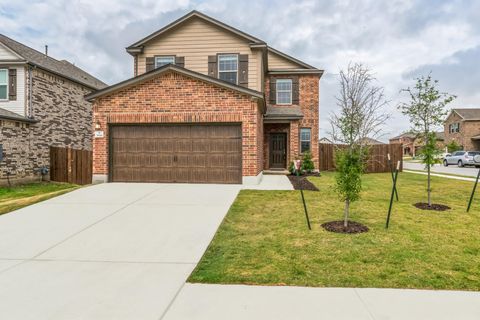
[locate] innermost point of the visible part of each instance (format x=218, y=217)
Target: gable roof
x=370, y=141
x=137, y=47
x=171, y=67
x=406, y=135
x=62, y=68
x=290, y=58
x=134, y=47
x=467, y=114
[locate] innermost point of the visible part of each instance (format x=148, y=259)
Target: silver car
x=461, y=158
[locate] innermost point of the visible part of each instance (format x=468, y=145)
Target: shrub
x=307, y=163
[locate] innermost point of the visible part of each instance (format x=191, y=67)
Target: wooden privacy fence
x=377, y=160
x=71, y=165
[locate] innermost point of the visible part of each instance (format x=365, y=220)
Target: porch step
x=279, y=172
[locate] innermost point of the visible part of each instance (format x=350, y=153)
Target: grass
x=264, y=240
x=16, y=197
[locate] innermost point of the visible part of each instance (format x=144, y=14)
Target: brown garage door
x=176, y=153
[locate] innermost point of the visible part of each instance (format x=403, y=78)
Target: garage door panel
x=183, y=145
x=177, y=153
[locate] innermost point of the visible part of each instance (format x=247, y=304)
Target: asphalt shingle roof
x=469, y=114
x=5, y=114
x=62, y=68
x=284, y=112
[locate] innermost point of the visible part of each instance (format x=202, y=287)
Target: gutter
x=20, y=119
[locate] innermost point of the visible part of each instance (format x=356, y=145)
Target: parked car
x=461, y=158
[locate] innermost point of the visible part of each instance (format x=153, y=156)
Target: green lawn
x=264, y=239
x=16, y=197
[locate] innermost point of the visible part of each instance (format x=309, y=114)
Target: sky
x=398, y=40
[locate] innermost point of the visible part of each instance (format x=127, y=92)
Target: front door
x=278, y=150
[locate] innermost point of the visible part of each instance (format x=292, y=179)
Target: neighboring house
x=407, y=139
x=208, y=104
x=41, y=105
x=463, y=127
x=370, y=141
x=412, y=143
x=325, y=140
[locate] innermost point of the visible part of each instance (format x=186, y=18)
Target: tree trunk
x=428, y=186
x=346, y=212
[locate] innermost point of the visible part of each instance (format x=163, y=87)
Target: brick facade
x=468, y=129
x=175, y=98
x=64, y=120
x=309, y=104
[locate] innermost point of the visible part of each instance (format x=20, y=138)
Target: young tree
x=360, y=116
x=426, y=111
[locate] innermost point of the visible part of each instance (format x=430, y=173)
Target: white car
x=461, y=158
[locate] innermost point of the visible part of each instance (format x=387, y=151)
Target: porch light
x=98, y=125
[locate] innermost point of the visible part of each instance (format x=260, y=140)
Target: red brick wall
x=468, y=129
x=309, y=92
x=174, y=98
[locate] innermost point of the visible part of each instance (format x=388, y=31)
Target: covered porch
x=281, y=137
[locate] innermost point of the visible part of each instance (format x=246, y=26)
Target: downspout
x=30, y=90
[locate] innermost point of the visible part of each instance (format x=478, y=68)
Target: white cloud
x=397, y=39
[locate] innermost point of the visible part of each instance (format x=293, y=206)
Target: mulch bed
x=434, y=206
x=337, y=226
x=301, y=182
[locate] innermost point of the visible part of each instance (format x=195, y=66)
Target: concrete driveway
x=110, y=251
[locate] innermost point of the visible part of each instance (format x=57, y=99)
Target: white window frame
x=172, y=58
x=277, y=91
x=5, y=84
x=309, y=141
x=225, y=71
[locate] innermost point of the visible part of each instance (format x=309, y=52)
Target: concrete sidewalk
x=212, y=302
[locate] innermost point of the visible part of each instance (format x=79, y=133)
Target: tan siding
x=17, y=106
x=196, y=40
x=6, y=54
x=277, y=62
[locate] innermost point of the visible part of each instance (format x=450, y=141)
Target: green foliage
x=430, y=154
x=426, y=108
x=307, y=163
x=291, y=168
x=453, y=146
x=349, y=169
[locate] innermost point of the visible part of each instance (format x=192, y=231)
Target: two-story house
x=41, y=105
x=207, y=104
x=463, y=127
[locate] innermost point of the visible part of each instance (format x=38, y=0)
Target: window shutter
x=12, y=84
x=212, y=66
x=180, y=61
x=243, y=70
x=295, y=90
x=273, y=91
x=149, y=64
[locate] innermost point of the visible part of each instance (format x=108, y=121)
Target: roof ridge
x=188, y=16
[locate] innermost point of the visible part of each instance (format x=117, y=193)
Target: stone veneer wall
x=175, y=98
x=64, y=120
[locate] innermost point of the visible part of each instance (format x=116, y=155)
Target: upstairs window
x=284, y=91
x=163, y=60
x=3, y=84
x=305, y=139
x=454, y=127
x=228, y=68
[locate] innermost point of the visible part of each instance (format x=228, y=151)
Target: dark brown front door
x=176, y=153
x=278, y=150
